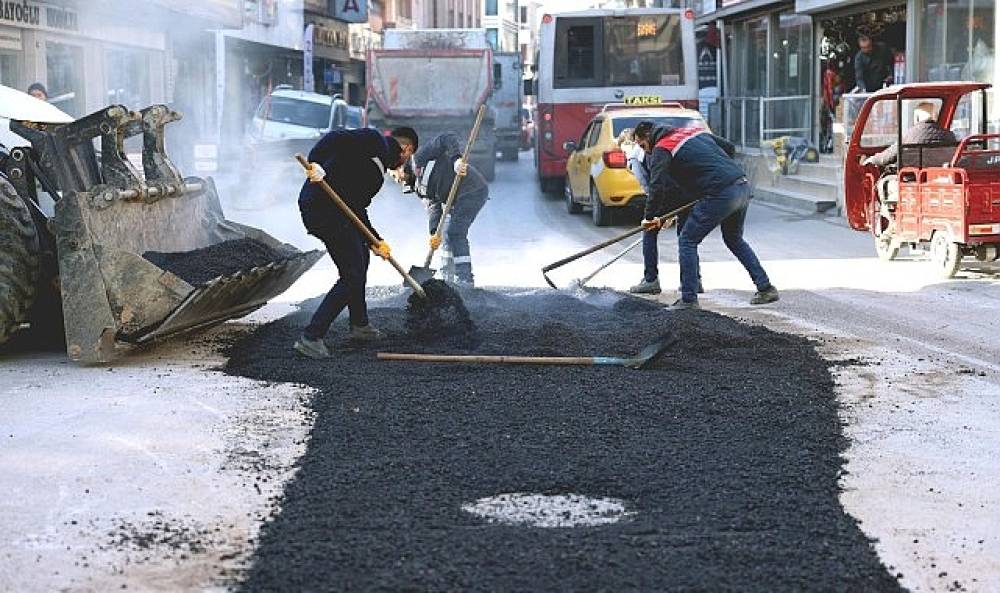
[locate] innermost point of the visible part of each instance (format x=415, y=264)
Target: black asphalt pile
x=441, y=314
x=726, y=455
x=221, y=259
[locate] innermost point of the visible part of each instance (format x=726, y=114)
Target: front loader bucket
x=115, y=298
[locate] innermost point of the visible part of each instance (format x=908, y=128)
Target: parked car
x=527, y=129
x=288, y=114
x=596, y=172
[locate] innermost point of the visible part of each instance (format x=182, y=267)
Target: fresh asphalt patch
x=715, y=470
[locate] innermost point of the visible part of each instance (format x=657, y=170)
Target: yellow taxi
x=596, y=171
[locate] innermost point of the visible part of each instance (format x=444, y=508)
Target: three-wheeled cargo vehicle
x=943, y=197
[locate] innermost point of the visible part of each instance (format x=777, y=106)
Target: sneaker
x=762, y=297
x=365, y=332
x=681, y=305
x=312, y=348
x=646, y=287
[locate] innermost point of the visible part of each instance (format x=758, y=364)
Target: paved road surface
x=87, y=454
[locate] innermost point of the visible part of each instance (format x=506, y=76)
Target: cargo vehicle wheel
x=600, y=212
x=489, y=169
x=945, y=255
x=572, y=206
x=19, y=261
x=886, y=250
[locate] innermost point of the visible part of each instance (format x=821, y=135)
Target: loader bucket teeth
x=109, y=215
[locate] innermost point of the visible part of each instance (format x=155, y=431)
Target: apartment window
x=491, y=7
x=524, y=14
x=491, y=36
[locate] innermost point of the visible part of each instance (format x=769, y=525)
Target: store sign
x=331, y=34
x=362, y=40
x=350, y=11
x=37, y=15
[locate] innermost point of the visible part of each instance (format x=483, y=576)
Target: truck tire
x=489, y=169
x=19, y=261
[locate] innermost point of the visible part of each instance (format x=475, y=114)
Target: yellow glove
x=652, y=224
x=435, y=241
x=315, y=172
x=381, y=249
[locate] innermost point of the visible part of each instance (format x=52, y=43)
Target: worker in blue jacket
x=354, y=163
x=695, y=162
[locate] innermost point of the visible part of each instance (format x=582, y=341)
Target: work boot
x=646, y=287
x=763, y=297
x=365, y=333
x=682, y=305
x=313, y=348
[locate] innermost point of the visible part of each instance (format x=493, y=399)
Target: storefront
x=332, y=71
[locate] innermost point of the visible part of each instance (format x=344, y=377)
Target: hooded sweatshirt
x=688, y=162
x=355, y=162
x=437, y=159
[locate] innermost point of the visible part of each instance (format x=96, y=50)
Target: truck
x=92, y=246
x=434, y=80
x=506, y=103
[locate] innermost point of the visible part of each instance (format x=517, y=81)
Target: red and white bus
x=590, y=58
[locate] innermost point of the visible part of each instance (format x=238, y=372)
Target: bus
x=591, y=58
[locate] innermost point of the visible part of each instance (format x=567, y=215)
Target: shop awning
x=737, y=7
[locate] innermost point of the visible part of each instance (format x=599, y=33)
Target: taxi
x=596, y=173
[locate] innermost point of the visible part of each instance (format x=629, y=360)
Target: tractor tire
x=945, y=256
x=19, y=261
x=600, y=212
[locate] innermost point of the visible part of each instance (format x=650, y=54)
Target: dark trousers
x=728, y=209
x=463, y=214
x=349, y=251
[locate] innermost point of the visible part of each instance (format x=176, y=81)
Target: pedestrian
x=354, y=163
x=695, y=162
x=435, y=166
x=872, y=65
x=38, y=91
x=637, y=162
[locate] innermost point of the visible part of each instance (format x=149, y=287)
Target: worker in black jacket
x=436, y=164
x=354, y=163
x=695, y=162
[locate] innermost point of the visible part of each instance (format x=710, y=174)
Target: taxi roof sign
x=629, y=105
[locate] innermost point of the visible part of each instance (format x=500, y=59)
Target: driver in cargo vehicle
x=926, y=131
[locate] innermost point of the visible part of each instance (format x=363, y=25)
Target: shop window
x=64, y=74
x=127, y=77
x=8, y=69
x=957, y=40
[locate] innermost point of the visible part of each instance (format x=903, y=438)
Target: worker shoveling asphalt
x=435, y=308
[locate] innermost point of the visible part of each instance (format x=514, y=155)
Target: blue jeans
x=651, y=252
x=349, y=251
x=728, y=209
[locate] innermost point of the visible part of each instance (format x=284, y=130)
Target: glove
x=461, y=167
x=654, y=224
x=381, y=249
x=435, y=241
x=315, y=172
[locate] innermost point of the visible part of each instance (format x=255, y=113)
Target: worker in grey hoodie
x=435, y=165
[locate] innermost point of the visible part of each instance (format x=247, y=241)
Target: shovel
x=643, y=360
x=361, y=227
x=425, y=273
x=663, y=221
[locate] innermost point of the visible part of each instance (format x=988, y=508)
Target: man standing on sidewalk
x=695, y=162
x=435, y=165
x=357, y=161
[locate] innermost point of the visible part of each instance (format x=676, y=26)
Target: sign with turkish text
x=38, y=15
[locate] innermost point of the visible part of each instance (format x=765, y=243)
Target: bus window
x=578, y=53
x=644, y=50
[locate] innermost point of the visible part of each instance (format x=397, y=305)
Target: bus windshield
x=618, y=51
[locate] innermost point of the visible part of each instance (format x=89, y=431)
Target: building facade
x=500, y=19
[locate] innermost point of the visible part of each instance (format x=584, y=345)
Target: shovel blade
x=650, y=354
x=421, y=274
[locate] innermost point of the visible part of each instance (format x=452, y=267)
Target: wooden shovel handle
x=486, y=359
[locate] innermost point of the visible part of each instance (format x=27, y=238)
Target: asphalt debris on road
x=442, y=313
x=725, y=456
x=220, y=259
